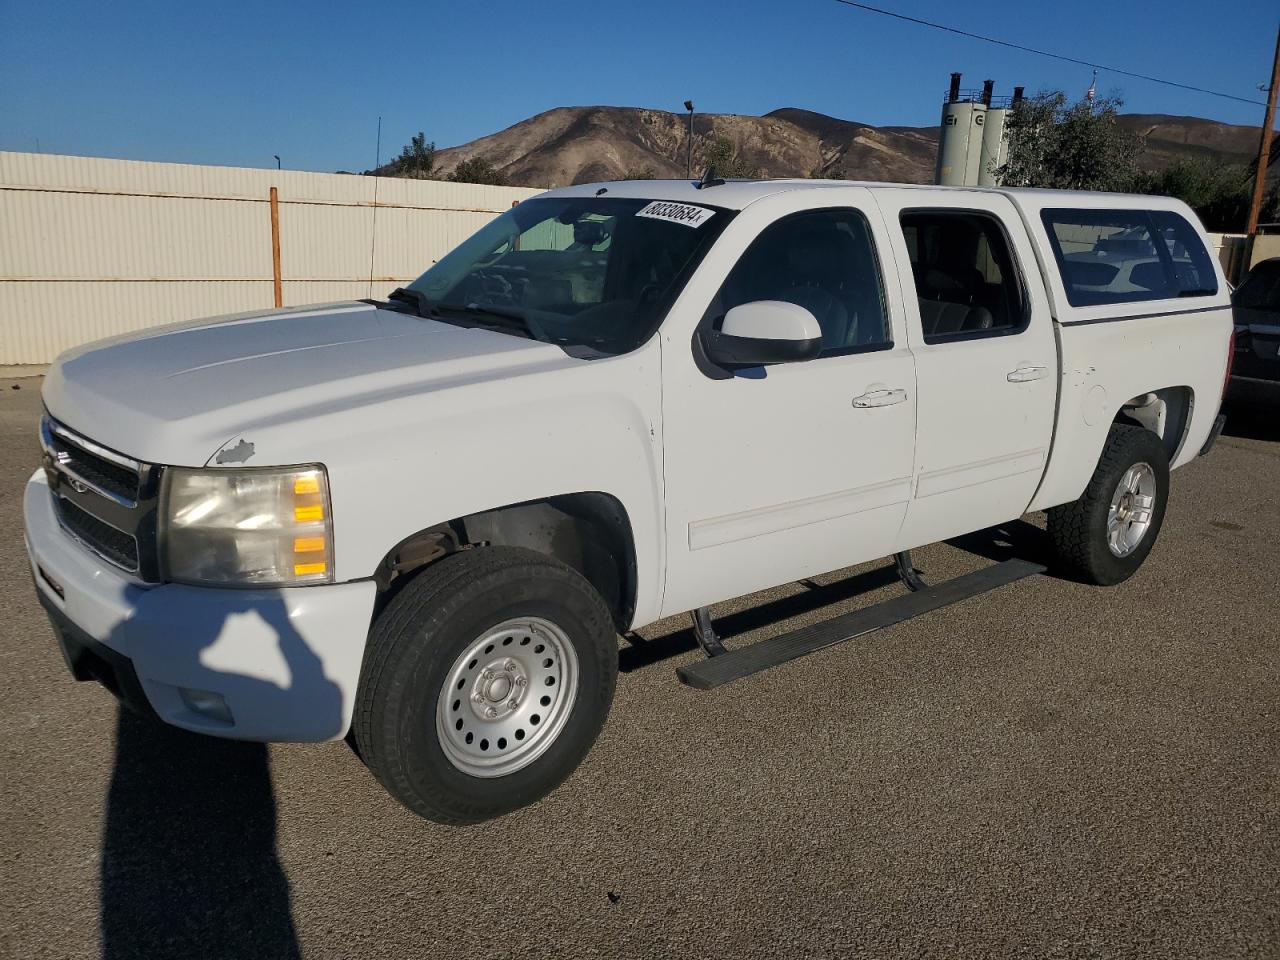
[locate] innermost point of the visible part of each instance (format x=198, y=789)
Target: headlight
x=262, y=527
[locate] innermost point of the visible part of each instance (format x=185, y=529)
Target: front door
x=986, y=360
x=781, y=472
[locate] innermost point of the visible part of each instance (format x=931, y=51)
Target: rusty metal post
x=275, y=245
x=1264, y=149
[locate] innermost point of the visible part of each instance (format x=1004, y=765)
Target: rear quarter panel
x=1115, y=352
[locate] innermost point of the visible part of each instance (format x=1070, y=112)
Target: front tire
x=1104, y=537
x=485, y=683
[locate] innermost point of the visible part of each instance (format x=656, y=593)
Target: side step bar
x=736, y=664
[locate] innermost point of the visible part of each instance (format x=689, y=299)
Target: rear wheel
x=486, y=681
x=1105, y=536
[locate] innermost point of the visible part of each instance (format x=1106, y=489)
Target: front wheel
x=485, y=683
x=1105, y=536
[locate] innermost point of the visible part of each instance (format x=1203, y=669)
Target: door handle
x=1025, y=374
x=880, y=398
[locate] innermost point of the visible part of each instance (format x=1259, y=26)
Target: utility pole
x=688, y=163
x=1264, y=148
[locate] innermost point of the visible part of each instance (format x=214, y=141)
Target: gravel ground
x=1050, y=770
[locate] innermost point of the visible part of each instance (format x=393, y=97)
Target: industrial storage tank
x=995, y=135
x=960, y=140
x=973, y=143
x=995, y=146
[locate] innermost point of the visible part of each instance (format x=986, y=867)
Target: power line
x=1045, y=53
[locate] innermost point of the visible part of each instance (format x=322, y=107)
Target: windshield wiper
x=504, y=318
x=422, y=306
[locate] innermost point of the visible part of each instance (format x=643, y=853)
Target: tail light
x=1231, y=359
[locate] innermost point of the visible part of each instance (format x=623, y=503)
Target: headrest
x=936, y=284
x=589, y=232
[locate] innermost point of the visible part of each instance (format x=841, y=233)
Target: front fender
x=404, y=464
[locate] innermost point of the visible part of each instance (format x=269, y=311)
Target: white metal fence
x=91, y=247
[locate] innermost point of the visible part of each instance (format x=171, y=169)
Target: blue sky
x=236, y=82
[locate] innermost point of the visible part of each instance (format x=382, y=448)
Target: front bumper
x=285, y=662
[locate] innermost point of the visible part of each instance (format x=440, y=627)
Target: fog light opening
x=207, y=704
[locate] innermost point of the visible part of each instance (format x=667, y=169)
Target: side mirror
x=767, y=331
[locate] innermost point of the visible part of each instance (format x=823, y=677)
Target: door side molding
x=733, y=527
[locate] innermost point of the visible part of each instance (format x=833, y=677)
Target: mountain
x=1168, y=138
x=585, y=144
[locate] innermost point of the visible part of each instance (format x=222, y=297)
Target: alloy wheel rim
x=507, y=697
x=1133, y=506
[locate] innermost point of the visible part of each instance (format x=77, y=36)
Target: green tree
x=643, y=173
x=727, y=162
x=1072, y=146
x=1219, y=193
x=478, y=170
x=417, y=160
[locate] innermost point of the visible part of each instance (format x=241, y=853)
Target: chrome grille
x=103, y=499
x=102, y=538
x=108, y=473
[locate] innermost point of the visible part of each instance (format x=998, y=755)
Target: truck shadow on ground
x=189, y=861
x=1007, y=541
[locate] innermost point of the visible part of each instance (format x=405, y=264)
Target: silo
x=995, y=146
x=973, y=156
x=960, y=139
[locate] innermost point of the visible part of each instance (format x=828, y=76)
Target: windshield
x=590, y=272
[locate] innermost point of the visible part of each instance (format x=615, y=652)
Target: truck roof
x=738, y=194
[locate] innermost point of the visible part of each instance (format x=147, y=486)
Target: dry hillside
x=584, y=144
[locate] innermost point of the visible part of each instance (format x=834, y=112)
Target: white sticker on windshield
x=683, y=213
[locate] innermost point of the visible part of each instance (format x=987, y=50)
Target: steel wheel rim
x=1133, y=505
x=507, y=697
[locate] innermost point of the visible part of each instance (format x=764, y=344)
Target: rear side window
x=965, y=276
x=1125, y=256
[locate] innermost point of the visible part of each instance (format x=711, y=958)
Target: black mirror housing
x=727, y=350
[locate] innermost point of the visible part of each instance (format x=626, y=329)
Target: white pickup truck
x=426, y=521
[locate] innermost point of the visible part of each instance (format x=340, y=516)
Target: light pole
x=688, y=164
x=277, y=156
x=1264, y=148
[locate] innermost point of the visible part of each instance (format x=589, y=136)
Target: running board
x=736, y=664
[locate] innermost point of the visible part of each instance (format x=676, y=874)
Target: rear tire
x=451, y=665
x=1104, y=536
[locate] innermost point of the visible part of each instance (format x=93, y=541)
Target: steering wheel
x=500, y=252
x=495, y=287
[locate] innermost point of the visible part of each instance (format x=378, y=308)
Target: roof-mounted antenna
x=709, y=179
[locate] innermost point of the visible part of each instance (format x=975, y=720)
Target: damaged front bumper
x=250, y=664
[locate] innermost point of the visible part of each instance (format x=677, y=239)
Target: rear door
x=979, y=325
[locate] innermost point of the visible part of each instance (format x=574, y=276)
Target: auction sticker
x=682, y=213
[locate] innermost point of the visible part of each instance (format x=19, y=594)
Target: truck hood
x=178, y=394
